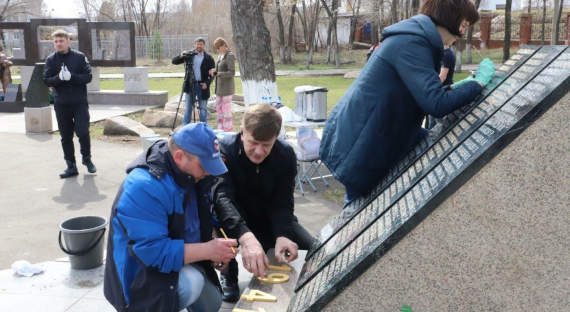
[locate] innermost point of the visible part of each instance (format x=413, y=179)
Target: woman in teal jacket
x=379, y=118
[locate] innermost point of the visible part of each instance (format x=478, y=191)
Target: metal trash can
x=311, y=102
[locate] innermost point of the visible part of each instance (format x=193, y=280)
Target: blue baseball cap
x=199, y=139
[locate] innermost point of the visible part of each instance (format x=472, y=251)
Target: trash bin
x=83, y=241
x=311, y=102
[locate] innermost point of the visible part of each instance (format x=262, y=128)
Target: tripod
x=188, y=58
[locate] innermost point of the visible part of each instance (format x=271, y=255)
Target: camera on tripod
x=188, y=55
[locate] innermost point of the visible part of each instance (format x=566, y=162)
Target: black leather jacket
x=263, y=194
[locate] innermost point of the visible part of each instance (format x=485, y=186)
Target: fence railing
x=165, y=46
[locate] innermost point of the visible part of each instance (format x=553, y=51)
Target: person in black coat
x=197, y=79
x=68, y=72
x=260, y=183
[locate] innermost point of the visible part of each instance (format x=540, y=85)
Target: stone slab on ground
x=499, y=243
x=120, y=97
x=121, y=125
x=158, y=118
x=15, y=122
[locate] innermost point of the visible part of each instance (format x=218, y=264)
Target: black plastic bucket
x=84, y=240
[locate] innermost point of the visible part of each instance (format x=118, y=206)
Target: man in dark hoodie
x=379, y=118
x=160, y=252
x=68, y=72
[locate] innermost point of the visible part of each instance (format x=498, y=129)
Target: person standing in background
x=68, y=72
x=225, y=88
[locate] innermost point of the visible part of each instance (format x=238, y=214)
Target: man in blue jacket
x=160, y=252
x=379, y=118
x=68, y=72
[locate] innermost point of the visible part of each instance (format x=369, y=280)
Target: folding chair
x=308, y=159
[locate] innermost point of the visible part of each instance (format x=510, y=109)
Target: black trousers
x=301, y=237
x=74, y=118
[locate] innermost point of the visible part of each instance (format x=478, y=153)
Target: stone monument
x=37, y=109
x=502, y=223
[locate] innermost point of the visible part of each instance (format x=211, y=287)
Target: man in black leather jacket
x=259, y=183
x=68, y=72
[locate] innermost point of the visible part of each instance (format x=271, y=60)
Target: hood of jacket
x=419, y=25
x=159, y=162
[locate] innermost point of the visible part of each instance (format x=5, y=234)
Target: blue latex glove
x=483, y=76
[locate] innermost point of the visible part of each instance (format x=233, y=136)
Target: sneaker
x=230, y=290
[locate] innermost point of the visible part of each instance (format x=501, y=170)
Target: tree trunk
x=416, y=6
x=335, y=39
x=557, y=13
x=394, y=11
x=507, y=43
x=543, y=21
x=375, y=21
x=312, y=31
x=291, y=36
x=468, y=54
x=281, y=32
x=354, y=23
x=253, y=50
x=330, y=29
x=303, y=19
x=529, y=6
x=407, y=11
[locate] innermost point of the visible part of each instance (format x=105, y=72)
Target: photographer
x=196, y=86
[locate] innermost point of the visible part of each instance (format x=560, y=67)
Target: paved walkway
x=33, y=201
x=15, y=122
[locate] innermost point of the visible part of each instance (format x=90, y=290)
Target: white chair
x=308, y=159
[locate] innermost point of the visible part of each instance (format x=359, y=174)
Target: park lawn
x=336, y=86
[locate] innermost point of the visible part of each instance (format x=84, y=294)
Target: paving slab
x=15, y=122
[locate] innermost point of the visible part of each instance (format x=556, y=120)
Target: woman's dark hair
x=450, y=13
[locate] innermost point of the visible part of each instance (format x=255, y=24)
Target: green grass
x=336, y=85
x=496, y=55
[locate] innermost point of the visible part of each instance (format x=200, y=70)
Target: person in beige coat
x=225, y=88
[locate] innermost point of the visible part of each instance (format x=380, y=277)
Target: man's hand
x=182, y=53
x=287, y=246
x=220, y=249
x=204, y=85
x=254, y=259
x=212, y=72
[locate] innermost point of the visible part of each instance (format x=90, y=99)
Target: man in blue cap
x=160, y=252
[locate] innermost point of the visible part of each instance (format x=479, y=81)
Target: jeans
x=195, y=292
x=74, y=119
x=194, y=96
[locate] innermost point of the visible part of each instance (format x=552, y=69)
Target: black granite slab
x=352, y=209
x=13, y=93
x=401, y=186
x=37, y=94
x=453, y=163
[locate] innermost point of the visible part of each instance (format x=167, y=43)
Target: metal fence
x=166, y=47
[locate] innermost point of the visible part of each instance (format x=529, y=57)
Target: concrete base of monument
x=120, y=97
x=500, y=242
x=38, y=119
x=283, y=292
x=12, y=107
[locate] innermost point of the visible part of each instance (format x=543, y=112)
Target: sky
x=64, y=9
